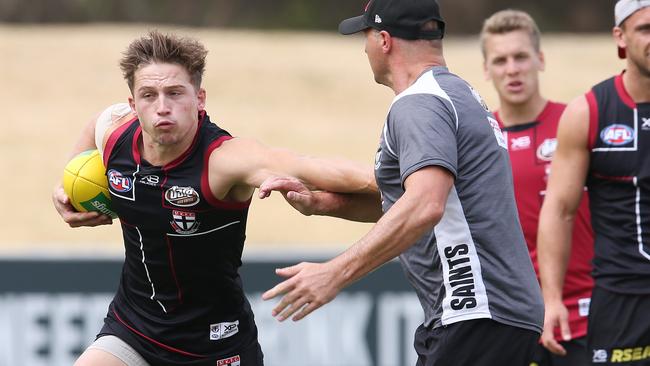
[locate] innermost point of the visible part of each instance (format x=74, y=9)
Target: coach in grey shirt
x=449, y=211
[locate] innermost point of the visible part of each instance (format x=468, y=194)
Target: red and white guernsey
x=531, y=147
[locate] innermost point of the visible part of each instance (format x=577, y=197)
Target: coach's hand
x=556, y=314
x=71, y=216
x=308, y=287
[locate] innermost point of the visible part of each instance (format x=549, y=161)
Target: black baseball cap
x=401, y=18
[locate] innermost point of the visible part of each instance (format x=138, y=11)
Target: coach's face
x=513, y=65
x=166, y=103
x=634, y=37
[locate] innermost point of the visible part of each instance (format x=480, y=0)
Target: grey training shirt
x=474, y=264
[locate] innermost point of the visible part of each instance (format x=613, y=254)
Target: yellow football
x=85, y=183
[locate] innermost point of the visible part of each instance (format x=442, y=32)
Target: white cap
x=625, y=8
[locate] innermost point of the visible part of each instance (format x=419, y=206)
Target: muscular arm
x=362, y=207
x=418, y=210
x=240, y=165
x=564, y=191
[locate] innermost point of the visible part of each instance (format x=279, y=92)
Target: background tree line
x=463, y=16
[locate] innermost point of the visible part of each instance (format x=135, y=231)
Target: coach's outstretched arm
x=362, y=207
x=563, y=194
x=311, y=285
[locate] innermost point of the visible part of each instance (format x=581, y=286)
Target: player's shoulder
x=609, y=83
x=551, y=114
x=556, y=106
x=577, y=108
x=235, y=149
x=574, y=123
x=109, y=120
x=116, y=114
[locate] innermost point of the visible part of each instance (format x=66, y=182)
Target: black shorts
x=619, y=328
x=481, y=342
x=577, y=354
x=155, y=354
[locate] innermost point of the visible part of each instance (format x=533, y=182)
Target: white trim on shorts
x=120, y=349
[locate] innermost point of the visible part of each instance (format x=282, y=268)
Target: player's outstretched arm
x=311, y=285
x=563, y=194
x=363, y=207
x=240, y=165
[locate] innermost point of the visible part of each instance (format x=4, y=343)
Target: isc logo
x=617, y=135
x=119, y=182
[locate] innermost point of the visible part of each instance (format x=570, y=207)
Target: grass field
x=310, y=92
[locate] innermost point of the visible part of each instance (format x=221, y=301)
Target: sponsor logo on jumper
x=520, y=143
x=646, y=123
x=150, y=180
x=630, y=354
x=617, y=135
x=223, y=330
x=230, y=361
x=479, y=98
x=119, y=182
x=600, y=356
x=546, y=150
x=501, y=140
x=184, y=222
x=182, y=196
x=461, y=278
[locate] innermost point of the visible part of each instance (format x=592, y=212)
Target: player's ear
x=617, y=33
x=201, y=95
x=132, y=105
x=542, y=61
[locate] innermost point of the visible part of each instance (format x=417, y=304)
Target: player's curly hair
x=157, y=47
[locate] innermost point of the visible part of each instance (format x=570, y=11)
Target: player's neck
x=637, y=85
x=161, y=154
x=517, y=114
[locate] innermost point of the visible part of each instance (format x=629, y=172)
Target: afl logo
x=617, y=135
x=119, y=182
x=546, y=149
x=182, y=196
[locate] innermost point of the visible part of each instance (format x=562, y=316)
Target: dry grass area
x=310, y=92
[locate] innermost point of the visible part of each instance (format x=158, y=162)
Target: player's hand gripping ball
x=85, y=183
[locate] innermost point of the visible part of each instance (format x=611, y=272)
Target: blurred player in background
x=604, y=142
x=450, y=215
x=181, y=187
x=510, y=42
